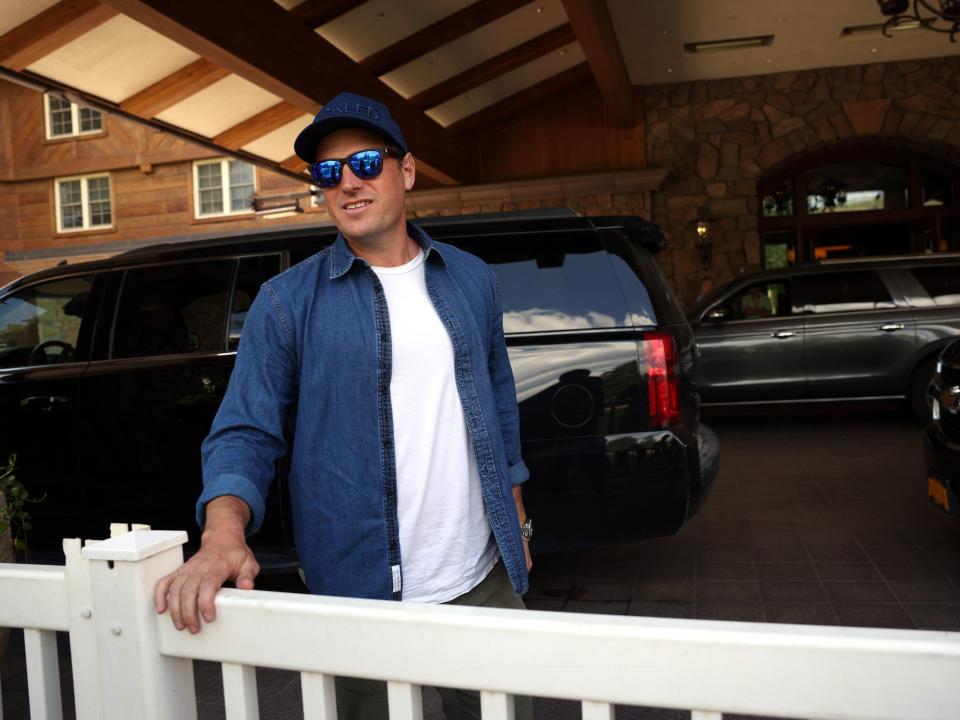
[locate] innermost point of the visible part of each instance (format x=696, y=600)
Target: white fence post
x=135, y=680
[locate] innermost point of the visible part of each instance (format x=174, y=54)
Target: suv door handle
x=891, y=327
x=47, y=400
x=783, y=334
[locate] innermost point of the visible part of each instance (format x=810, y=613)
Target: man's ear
x=409, y=168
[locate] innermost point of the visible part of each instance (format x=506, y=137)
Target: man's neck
x=393, y=251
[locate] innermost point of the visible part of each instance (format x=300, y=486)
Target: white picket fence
x=130, y=663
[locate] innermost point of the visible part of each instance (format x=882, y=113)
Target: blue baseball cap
x=347, y=110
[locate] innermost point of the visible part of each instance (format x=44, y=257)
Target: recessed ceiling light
x=877, y=28
x=664, y=32
x=539, y=9
x=769, y=60
x=669, y=70
x=729, y=44
x=563, y=52
x=779, y=19
x=873, y=50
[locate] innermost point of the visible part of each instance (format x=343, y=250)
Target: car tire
x=917, y=392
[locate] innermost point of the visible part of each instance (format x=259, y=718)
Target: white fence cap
x=135, y=545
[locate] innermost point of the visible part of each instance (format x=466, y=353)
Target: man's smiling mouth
x=356, y=204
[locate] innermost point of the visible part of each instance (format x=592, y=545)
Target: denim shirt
x=314, y=362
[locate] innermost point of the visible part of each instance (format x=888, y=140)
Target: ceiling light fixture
x=730, y=44
x=857, y=31
x=924, y=15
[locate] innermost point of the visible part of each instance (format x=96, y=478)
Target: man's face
x=366, y=211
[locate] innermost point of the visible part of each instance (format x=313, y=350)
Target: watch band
x=526, y=529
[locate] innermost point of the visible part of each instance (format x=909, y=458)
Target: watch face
x=526, y=529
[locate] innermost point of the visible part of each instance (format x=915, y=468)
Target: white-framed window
x=83, y=202
x=66, y=119
x=222, y=187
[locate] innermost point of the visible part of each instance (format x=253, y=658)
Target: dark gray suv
x=834, y=330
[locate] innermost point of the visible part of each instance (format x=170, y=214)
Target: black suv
x=111, y=373
x=833, y=330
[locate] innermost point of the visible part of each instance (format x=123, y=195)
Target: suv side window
x=942, y=283
x=173, y=309
x=845, y=292
x=768, y=299
x=40, y=324
x=251, y=274
x=553, y=282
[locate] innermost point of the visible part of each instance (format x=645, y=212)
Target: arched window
x=856, y=202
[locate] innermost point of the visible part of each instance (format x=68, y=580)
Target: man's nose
x=348, y=180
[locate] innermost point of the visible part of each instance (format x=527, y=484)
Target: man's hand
x=522, y=516
x=189, y=592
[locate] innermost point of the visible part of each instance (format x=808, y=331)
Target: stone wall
x=719, y=137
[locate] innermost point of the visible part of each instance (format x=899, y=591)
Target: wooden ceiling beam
x=295, y=164
x=594, y=28
x=439, y=34
x=266, y=45
x=50, y=30
x=259, y=125
x=508, y=107
x=177, y=86
x=319, y=12
x=494, y=67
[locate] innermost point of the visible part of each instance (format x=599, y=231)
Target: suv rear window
x=942, y=283
x=845, y=292
x=554, y=282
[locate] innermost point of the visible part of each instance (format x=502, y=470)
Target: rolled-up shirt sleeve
x=505, y=394
x=248, y=433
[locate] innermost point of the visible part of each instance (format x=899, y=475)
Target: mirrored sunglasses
x=365, y=164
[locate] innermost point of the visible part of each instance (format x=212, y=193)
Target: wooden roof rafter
x=266, y=45
x=594, y=28
x=177, y=86
x=259, y=125
x=439, y=34
x=569, y=79
x=494, y=67
x=315, y=13
x=50, y=30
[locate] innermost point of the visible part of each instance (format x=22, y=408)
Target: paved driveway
x=818, y=517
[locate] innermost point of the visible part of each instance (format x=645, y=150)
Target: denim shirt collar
x=342, y=257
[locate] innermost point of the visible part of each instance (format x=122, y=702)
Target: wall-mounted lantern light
x=704, y=240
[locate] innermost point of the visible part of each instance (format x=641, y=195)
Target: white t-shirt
x=446, y=545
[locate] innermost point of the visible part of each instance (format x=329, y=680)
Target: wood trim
x=50, y=30
x=508, y=107
x=494, y=67
x=438, y=34
x=295, y=164
x=175, y=87
x=266, y=45
x=594, y=28
x=257, y=126
x=315, y=13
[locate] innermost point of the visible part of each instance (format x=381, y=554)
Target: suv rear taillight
x=660, y=352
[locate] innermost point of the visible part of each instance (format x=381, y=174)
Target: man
x=756, y=304
x=384, y=356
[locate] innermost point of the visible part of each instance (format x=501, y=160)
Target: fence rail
x=128, y=662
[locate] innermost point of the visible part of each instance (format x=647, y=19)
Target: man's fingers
x=207, y=596
x=160, y=593
x=188, y=605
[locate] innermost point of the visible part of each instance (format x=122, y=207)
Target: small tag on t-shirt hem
x=397, y=582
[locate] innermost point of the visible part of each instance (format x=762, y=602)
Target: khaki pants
x=359, y=699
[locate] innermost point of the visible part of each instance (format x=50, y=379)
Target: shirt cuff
x=238, y=486
x=518, y=473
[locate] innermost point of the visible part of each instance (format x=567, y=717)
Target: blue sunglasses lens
x=366, y=164
x=326, y=173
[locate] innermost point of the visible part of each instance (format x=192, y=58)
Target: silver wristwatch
x=526, y=529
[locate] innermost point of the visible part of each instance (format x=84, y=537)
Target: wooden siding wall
x=565, y=135
x=151, y=180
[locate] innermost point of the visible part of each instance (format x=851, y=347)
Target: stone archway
x=719, y=137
